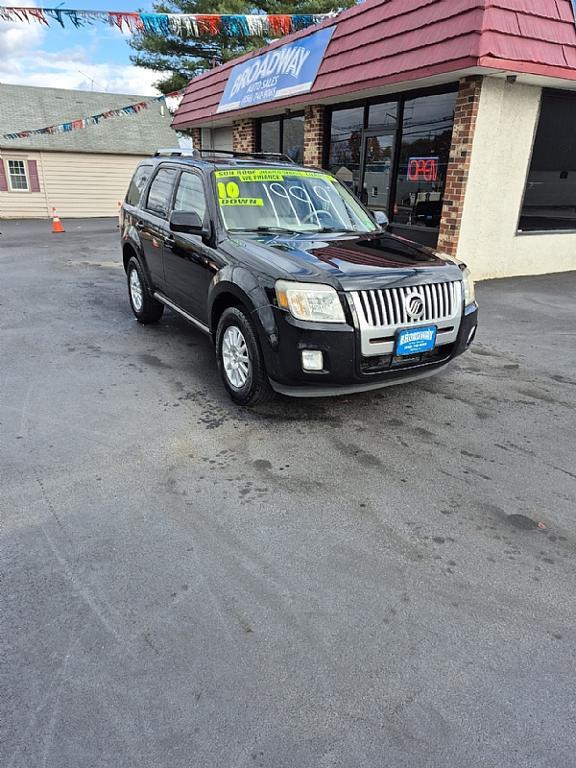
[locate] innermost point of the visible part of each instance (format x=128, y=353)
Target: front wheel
x=143, y=303
x=240, y=360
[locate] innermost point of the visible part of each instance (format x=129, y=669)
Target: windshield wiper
x=265, y=229
x=334, y=229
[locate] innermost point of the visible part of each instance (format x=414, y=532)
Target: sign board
x=423, y=168
x=285, y=71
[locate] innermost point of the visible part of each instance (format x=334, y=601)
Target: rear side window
x=137, y=184
x=190, y=195
x=160, y=192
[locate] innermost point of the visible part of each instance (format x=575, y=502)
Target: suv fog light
x=312, y=360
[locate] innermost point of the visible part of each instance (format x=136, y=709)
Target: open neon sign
x=423, y=168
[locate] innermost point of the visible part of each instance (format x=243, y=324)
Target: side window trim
x=154, y=211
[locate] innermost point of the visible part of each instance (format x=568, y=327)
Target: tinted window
x=424, y=152
x=345, y=144
x=550, y=195
x=270, y=136
x=383, y=115
x=160, y=192
x=293, y=138
x=285, y=135
x=137, y=184
x=190, y=195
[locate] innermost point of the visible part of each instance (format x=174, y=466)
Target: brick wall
x=459, y=163
x=244, y=135
x=196, y=134
x=313, y=135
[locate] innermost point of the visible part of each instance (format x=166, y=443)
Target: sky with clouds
x=96, y=57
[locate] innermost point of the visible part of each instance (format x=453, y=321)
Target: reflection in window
x=190, y=195
x=383, y=115
x=423, y=161
x=160, y=192
x=137, y=184
x=550, y=195
x=270, y=136
x=293, y=138
x=284, y=135
x=345, y=145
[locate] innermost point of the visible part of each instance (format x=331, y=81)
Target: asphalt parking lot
x=382, y=580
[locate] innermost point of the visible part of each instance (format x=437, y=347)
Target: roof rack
x=273, y=156
x=207, y=154
x=176, y=152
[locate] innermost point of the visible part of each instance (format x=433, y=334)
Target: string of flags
x=181, y=24
x=84, y=122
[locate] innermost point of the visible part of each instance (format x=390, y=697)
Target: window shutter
x=3, y=182
x=33, y=176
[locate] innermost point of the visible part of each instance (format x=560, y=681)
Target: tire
x=240, y=360
x=145, y=307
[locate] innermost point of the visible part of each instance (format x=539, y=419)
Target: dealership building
x=455, y=117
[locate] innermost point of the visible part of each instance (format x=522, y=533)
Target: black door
x=377, y=161
x=153, y=225
x=189, y=264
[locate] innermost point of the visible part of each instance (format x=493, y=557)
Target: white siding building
x=82, y=173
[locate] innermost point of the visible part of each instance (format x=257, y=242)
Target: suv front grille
x=379, y=313
x=385, y=308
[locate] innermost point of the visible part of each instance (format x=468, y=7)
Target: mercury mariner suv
x=300, y=287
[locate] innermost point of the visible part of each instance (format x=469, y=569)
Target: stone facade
x=459, y=163
x=244, y=135
x=314, y=135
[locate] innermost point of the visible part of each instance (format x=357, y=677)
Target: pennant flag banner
x=182, y=24
x=84, y=122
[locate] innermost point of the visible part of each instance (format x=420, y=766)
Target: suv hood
x=350, y=262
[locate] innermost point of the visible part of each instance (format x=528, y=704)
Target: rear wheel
x=143, y=303
x=240, y=359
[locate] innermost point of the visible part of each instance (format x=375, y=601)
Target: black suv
x=300, y=287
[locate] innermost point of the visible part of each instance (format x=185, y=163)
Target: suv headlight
x=310, y=301
x=469, y=291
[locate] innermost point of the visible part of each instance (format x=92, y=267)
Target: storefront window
x=550, y=195
x=293, y=138
x=270, y=136
x=383, y=116
x=283, y=135
x=423, y=160
x=345, y=145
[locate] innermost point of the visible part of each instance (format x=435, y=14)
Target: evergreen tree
x=183, y=59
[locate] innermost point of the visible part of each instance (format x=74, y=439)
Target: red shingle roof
x=382, y=42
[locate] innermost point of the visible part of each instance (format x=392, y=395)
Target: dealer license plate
x=414, y=341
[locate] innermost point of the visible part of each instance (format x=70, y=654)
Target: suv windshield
x=286, y=200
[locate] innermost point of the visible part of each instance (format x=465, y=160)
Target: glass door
x=376, y=169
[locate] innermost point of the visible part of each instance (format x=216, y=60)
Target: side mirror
x=187, y=221
x=381, y=219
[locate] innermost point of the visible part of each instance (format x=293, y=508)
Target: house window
x=283, y=135
x=17, y=176
x=550, y=194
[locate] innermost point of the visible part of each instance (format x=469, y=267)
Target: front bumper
x=346, y=371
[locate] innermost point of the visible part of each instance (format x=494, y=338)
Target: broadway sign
x=282, y=72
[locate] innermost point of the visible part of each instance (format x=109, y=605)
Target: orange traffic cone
x=56, y=223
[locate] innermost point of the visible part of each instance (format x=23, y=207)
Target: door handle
x=139, y=225
x=169, y=241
